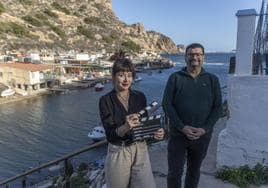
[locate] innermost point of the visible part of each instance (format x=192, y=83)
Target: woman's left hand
x=159, y=134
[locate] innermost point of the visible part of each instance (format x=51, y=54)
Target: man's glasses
x=199, y=55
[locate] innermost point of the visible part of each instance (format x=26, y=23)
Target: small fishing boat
x=89, y=78
x=7, y=92
x=97, y=133
x=55, y=167
x=44, y=184
x=137, y=79
x=99, y=87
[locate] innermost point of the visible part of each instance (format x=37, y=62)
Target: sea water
x=44, y=128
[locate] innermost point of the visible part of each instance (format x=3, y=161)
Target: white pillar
x=245, y=41
x=244, y=141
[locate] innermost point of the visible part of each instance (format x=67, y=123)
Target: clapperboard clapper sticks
x=149, y=124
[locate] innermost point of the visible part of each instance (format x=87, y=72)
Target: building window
x=33, y=75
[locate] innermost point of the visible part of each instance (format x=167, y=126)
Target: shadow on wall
x=232, y=65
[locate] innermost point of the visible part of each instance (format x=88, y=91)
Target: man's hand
x=199, y=132
x=193, y=133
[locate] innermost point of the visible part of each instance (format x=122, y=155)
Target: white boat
x=7, y=92
x=44, y=184
x=137, y=79
x=55, y=167
x=99, y=87
x=89, y=78
x=97, y=133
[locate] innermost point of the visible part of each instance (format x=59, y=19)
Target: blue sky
x=210, y=22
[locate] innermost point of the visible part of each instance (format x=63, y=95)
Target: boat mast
x=258, y=43
x=265, y=40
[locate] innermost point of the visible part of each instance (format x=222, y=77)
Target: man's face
x=194, y=58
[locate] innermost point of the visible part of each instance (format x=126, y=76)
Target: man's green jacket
x=192, y=101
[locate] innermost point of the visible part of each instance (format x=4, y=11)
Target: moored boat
x=137, y=79
x=7, y=92
x=97, y=133
x=99, y=87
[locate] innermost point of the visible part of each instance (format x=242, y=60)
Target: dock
x=58, y=90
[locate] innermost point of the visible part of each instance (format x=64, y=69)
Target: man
x=192, y=101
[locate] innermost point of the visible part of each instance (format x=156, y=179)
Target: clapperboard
x=148, y=110
x=149, y=124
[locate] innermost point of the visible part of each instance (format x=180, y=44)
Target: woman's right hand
x=132, y=120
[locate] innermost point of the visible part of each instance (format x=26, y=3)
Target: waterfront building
x=26, y=76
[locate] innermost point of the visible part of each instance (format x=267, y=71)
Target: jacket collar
x=184, y=71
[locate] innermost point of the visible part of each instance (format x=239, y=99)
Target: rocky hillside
x=73, y=24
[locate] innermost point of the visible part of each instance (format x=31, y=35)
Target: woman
x=127, y=164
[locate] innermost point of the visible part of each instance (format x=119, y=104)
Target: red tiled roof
x=27, y=66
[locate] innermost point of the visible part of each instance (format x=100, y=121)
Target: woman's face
x=122, y=80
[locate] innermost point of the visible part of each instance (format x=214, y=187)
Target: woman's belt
x=124, y=143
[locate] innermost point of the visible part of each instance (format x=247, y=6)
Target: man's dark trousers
x=181, y=148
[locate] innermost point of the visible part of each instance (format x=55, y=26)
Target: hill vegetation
x=73, y=24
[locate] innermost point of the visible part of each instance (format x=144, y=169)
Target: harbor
x=45, y=125
x=56, y=63
x=21, y=79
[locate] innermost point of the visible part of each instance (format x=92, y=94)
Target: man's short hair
x=195, y=45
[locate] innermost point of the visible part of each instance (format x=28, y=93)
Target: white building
x=82, y=57
x=244, y=141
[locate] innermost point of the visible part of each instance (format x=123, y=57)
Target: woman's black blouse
x=113, y=113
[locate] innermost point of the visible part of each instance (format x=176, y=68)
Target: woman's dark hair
x=123, y=64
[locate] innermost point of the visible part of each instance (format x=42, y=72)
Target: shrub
x=50, y=13
x=131, y=46
x=114, y=36
x=18, y=30
x=77, y=14
x=99, y=6
x=57, y=30
x=93, y=20
x=41, y=16
x=2, y=8
x=3, y=27
x=82, y=167
x=26, y=2
x=108, y=39
x=31, y=20
x=86, y=32
x=13, y=28
x=78, y=181
x=82, y=8
x=60, y=8
x=244, y=176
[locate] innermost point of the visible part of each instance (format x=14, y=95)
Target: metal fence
x=64, y=159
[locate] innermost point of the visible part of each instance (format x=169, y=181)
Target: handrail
x=56, y=161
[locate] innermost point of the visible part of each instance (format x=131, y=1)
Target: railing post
x=68, y=169
x=23, y=182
